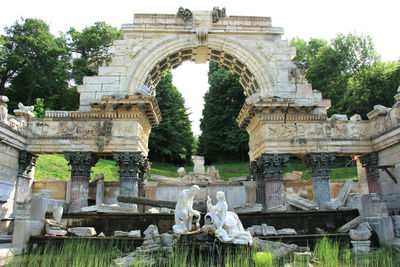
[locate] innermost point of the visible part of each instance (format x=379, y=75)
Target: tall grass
x=86, y=253
x=71, y=253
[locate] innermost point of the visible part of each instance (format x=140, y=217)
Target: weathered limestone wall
x=390, y=191
x=8, y=179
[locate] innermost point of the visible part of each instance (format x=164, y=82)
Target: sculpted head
x=194, y=189
x=220, y=195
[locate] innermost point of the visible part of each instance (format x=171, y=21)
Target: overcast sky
x=306, y=18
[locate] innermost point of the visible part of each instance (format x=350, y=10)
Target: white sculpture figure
x=184, y=211
x=227, y=226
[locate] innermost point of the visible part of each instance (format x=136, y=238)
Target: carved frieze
x=266, y=49
x=81, y=163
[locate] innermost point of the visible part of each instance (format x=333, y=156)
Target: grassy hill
x=57, y=166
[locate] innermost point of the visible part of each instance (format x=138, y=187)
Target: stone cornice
x=111, y=107
x=278, y=109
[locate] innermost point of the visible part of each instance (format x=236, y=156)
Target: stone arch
x=169, y=53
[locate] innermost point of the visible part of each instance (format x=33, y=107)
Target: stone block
x=121, y=233
x=383, y=227
x=56, y=232
x=340, y=200
x=82, y=231
x=360, y=247
x=396, y=225
x=255, y=230
x=6, y=190
x=248, y=207
x=134, y=234
x=23, y=229
x=287, y=231
x=268, y=230
x=56, y=186
x=349, y=225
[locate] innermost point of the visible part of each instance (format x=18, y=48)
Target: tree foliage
x=348, y=71
x=91, y=48
x=38, y=67
x=221, y=138
x=172, y=141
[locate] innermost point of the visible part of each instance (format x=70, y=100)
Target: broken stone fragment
x=121, y=234
x=55, y=232
x=340, y=200
x=287, y=231
x=248, y=207
x=268, y=230
x=82, y=231
x=134, y=234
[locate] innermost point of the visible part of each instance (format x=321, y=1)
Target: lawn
x=57, y=166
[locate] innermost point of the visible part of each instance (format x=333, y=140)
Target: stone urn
x=360, y=238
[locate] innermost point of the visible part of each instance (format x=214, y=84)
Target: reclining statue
x=226, y=224
x=184, y=211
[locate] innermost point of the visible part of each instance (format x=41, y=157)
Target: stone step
x=5, y=238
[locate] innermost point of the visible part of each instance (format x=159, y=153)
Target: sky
x=305, y=19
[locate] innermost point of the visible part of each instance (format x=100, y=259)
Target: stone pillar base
x=79, y=193
x=360, y=247
x=273, y=193
x=373, y=185
x=321, y=190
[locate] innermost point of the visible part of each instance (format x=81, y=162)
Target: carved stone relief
x=266, y=49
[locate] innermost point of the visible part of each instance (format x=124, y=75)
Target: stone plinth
x=319, y=164
x=81, y=164
x=198, y=164
x=360, y=247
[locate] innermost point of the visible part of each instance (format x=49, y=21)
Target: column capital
x=26, y=162
x=370, y=163
x=144, y=170
x=130, y=163
x=81, y=163
x=319, y=163
x=271, y=165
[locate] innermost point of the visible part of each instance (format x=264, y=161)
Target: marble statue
x=184, y=211
x=226, y=224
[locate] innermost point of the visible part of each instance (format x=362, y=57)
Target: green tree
x=91, y=48
x=221, y=138
x=375, y=84
x=172, y=141
x=34, y=64
x=347, y=71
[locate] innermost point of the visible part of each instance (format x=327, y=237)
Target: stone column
x=26, y=169
x=129, y=164
x=255, y=171
x=319, y=165
x=81, y=164
x=143, y=175
x=370, y=163
x=270, y=182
